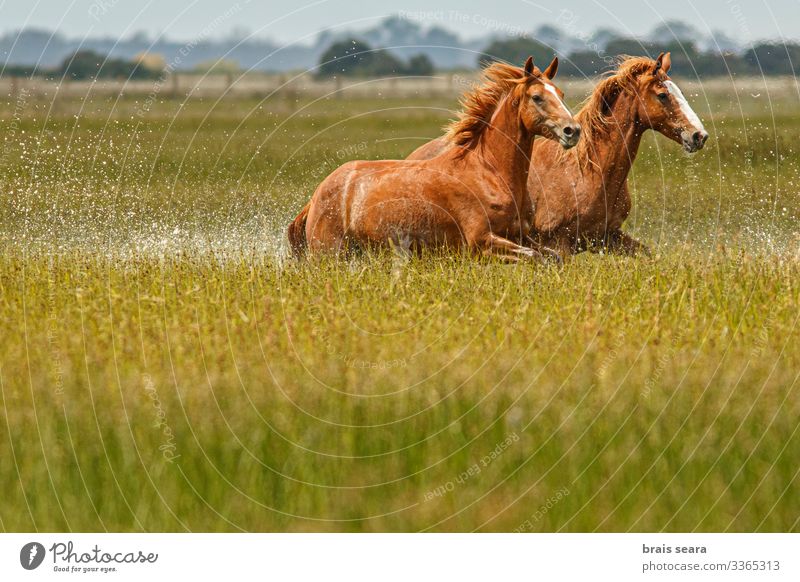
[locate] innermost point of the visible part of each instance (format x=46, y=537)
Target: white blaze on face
x=685, y=108
x=552, y=90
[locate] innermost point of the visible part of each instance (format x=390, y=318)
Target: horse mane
x=479, y=104
x=595, y=110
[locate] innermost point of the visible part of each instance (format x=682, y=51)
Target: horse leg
x=546, y=251
x=501, y=248
x=622, y=244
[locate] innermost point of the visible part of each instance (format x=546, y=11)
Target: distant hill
x=47, y=49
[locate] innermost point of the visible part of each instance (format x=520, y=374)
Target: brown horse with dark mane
x=473, y=196
x=581, y=198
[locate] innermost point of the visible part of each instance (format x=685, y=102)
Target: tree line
x=87, y=65
x=766, y=58
x=356, y=58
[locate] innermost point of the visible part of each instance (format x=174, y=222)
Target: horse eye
x=663, y=96
x=537, y=98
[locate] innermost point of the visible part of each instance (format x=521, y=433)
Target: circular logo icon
x=31, y=555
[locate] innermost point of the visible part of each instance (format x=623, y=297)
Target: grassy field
x=164, y=368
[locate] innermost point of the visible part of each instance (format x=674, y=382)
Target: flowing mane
x=595, y=110
x=479, y=104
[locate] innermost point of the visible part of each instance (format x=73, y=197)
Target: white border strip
x=408, y=557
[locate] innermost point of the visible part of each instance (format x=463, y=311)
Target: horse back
x=430, y=149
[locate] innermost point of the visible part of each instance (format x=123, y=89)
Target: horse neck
x=506, y=145
x=615, y=149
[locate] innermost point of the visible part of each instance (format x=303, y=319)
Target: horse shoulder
x=555, y=182
x=622, y=207
x=552, y=172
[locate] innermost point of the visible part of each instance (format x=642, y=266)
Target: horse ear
x=666, y=62
x=659, y=62
x=529, y=67
x=551, y=70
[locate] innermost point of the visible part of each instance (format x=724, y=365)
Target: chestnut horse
x=581, y=198
x=473, y=196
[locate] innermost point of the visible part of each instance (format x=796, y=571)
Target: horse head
x=663, y=107
x=541, y=106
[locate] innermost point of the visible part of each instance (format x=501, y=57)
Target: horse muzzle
x=569, y=135
x=694, y=141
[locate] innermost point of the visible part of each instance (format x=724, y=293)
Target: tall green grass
x=164, y=368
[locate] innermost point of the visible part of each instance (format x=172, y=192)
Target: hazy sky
x=289, y=21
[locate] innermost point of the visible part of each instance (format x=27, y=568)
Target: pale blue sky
x=289, y=21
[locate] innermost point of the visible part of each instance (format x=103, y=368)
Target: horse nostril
x=700, y=137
